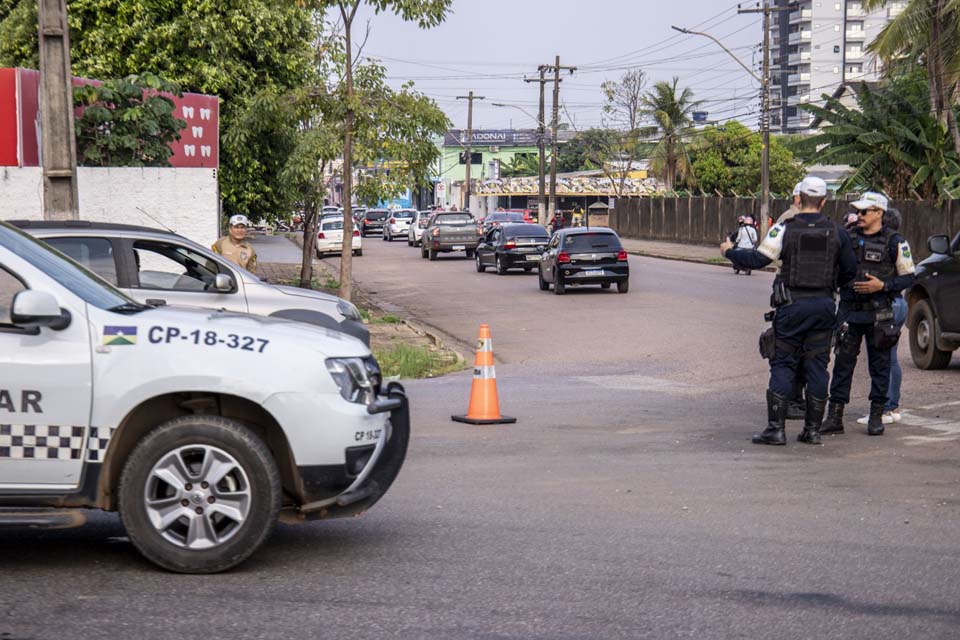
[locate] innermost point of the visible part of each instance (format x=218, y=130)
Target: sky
x=489, y=46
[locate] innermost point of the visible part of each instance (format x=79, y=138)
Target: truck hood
x=297, y=335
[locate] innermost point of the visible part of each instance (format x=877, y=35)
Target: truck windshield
x=455, y=218
x=85, y=284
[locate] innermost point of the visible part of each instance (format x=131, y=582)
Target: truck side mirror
x=35, y=309
x=939, y=244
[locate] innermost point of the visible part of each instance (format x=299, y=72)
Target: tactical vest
x=873, y=256
x=810, y=254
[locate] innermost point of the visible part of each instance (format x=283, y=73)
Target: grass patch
x=388, y=319
x=718, y=261
x=409, y=361
x=364, y=314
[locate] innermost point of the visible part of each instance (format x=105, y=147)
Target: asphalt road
x=627, y=502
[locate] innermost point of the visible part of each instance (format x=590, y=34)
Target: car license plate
x=533, y=257
x=459, y=247
x=593, y=272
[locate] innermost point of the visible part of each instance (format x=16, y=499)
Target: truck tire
x=923, y=339
x=432, y=255
x=199, y=494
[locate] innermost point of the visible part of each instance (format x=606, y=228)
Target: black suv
x=373, y=220
x=934, y=299
x=584, y=256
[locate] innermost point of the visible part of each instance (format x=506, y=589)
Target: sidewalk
x=676, y=251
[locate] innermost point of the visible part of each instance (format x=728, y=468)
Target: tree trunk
x=346, y=258
x=952, y=120
x=310, y=219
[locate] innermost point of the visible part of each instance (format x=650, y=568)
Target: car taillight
x=356, y=233
x=435, y=233
x=320, y=236
x=510, y=245
x=622, y=256
x=393, y=221
x=563, y=257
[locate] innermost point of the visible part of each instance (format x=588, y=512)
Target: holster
x=768, y=343
x=847, y=344
x=885, y=335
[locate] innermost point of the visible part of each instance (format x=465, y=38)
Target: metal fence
x=707, y=221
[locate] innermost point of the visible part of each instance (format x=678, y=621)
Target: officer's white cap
x=239, y=219
x=796, y=189
x=813, y=186
x=871, y=199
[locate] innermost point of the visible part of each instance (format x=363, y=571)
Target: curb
x=675, y=258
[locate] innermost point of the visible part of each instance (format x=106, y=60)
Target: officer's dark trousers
x=803, y=331
x=846, y=362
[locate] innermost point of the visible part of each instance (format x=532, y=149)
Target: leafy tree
x=127, y=122
x=727, y=159
x=892, y=140
x=587, y=150
x=926, y=34
x=523, y=164
x=672, y=110
x=426, y=13
x=231, y=48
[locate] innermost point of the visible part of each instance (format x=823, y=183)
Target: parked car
x=330, y=238
x=417, y=224
x=398, y=224
x=373, y=221
x=199, y=427
x=934, y=299
x=584, y=256
x=497, y=218
x=328, y=209
x=449, y=231
x=528, y=215
x=160, y=267
x=357, y=214
x=511, y=246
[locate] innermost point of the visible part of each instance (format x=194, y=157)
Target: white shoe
x=889, y=417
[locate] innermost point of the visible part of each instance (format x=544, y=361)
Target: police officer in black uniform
x=885, y=267
x=816, y=255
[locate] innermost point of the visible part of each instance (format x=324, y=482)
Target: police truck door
x=45, y=388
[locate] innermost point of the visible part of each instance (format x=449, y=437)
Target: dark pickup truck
x=449, y=231
x=934, y=318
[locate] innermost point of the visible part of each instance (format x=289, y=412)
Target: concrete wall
x=183, y=200
x=708, y=221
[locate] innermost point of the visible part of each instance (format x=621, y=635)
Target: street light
x=541, y=177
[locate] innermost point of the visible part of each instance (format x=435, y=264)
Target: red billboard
x=199, y=144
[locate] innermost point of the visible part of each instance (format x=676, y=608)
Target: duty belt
x=810, y=293
x=869, y=306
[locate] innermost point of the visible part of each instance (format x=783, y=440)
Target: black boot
x=875, y=423
x=776, y=416
x=812, y=420
x=796, y=407
x=834, y=421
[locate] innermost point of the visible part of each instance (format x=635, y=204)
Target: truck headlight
x=357, y=378
x=347, y=310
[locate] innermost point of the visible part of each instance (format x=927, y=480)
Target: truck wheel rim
x=923, y=334
x=197, y=496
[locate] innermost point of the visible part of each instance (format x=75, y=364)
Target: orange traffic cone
x=484, y=404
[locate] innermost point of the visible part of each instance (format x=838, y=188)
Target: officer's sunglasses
x=864, y=212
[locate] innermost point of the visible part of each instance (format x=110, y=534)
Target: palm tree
x=673, y=114
x=926, y=34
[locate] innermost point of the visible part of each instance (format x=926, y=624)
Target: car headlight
x=358, y=378
x=347, y=310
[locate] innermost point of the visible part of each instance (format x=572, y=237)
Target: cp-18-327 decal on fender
x=166, y=335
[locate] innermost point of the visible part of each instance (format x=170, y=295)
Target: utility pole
x=58, y=146
x=553, y=128
x=469, y=98
x=541, y=148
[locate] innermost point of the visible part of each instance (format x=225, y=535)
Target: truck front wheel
x=199, y=494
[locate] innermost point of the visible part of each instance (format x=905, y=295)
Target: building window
x=836, y=69
x=836, y=48
x=836, y=27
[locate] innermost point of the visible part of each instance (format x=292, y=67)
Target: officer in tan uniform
x=234, y=246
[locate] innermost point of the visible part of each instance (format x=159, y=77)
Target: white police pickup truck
x=199, y=427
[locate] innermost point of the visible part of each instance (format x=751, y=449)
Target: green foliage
x=523, y=164
x=891, y=140
x=231, y=48
x=727, y=159
x=411, y=361
x=672, y=110
x=588, y=150
x=127, y=122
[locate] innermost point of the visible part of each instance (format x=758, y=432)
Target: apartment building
x=817, y=45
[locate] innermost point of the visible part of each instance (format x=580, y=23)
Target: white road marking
x=643, y=383
x=947, y=430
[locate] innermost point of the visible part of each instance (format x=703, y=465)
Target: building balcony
x=799, y=122
x=800, y=36
x=856, y=12
x=798, y=58
x=792, y=101
x=854, y=56
x=798, y=78
x=856, y=34
x=801, y=16
x=895, y=9
x=854, y=76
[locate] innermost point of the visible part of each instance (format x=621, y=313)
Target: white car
x=398, y=224
x=199, y=427
x=417, y=224
x=330, y=238
x=329, y=209
x=160, y=267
